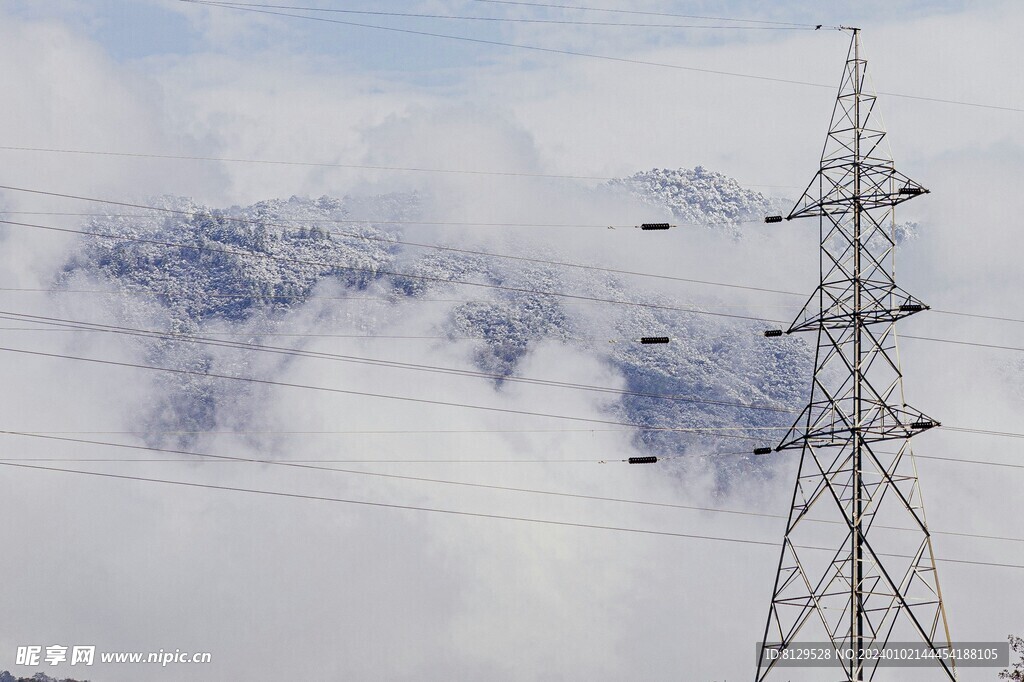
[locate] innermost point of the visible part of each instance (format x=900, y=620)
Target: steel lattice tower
x=857, y=470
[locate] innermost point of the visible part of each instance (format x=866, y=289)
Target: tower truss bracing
x=875, y=583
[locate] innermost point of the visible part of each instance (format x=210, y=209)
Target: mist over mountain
x=340, y=265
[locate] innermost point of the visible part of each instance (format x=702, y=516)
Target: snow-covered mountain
x=247, y=270
x=701, y=197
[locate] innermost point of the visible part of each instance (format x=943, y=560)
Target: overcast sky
x=289, y=589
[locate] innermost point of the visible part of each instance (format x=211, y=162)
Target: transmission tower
x=857, y=470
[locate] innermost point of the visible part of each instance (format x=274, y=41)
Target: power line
x=366, y=394
x=354, y=166
x=421, y=432
x=519, y=20
x=277, y=222
x=451, y=512
x=352, y=221
x=333, y=432
x=453, y=281
x=961, y=460
x=624, y=60
x=983, y=317
x=315, y=297
x=984, y=432
x=187, y=246
x=146, y=333
x=276, y=297
x=385, y=505
x=585, y=431
x=210, y=458
x=432, y=278
x=355, y=235
x=592, y=299
x=115, y=329
x=418, y=299
x=386, y=336
x=384, y=299
x=335, y=460
x=272, y=162
x=547, y=5
x=378, y=271
x=375, y=337
x=642, y=427
x=119, y=460
x=421, y=299
x=490, y=254
x=962, y=343
x=437, y=247
x=713, y=431
x=355, y=221
x=520, y=46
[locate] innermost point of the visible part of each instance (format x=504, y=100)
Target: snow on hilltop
x=700, y=196
x=295, y=243
x=257, y=265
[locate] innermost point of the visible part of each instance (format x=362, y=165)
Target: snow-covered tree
x=1015, y=673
